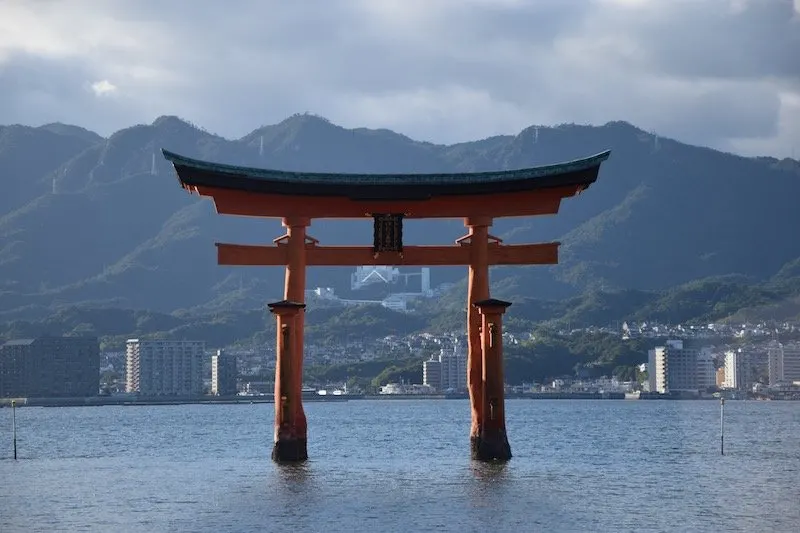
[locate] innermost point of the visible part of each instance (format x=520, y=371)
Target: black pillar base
x=290, y=451
x=490, y=446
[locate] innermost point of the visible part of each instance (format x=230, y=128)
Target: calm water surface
x=404, y=466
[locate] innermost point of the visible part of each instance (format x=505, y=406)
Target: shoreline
x=100, y=401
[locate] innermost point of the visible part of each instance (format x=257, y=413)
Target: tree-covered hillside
x=102, y=222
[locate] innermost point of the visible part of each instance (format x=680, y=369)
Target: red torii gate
x=299, y=197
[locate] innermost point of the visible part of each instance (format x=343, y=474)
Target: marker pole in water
x=14, y=425
x=722, y=426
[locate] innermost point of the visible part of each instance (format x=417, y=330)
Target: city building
x=721, y=377
x=50, y=367
x=432, y=372
x=223, y=374
x=706, y=372
x=775, y=362
x=447, y=370
x=738, y=370
x=158, y=368
x=653, y=370
x=674, y=368
x=791, y=363
x=783, y=362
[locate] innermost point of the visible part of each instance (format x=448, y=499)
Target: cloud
x=722, y=73
x=103, y=88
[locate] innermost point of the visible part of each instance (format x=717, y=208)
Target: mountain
x=102, y=221
x=29, y=156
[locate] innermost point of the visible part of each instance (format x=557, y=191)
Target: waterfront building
x=50, y=367
x=223, y=374
x=706, y=372
x=791, y=362
x=775, y=364
x=675, y=368
x=454, y=367
x=447, y=370
x=783, y=362
x=738, y=370
x=652, y=369
x=158, y=368
x=721, y=377
x=432, y=372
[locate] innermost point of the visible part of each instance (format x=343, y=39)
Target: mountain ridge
x=102, y=220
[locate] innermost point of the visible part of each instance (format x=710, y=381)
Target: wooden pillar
x=289, y=441
x=295, y=291
x=493, y=441
x=477, y=290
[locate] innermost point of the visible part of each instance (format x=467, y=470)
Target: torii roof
x=194, y=173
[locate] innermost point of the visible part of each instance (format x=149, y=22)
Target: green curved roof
x=194, y=172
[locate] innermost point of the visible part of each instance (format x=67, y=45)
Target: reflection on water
x=404, y=465
x=494, y=471
x=291, y=478
x=293, y=475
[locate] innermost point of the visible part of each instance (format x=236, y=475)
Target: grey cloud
x=36, y=91
x=452, y=70
x=706, y=39
x=749, y=111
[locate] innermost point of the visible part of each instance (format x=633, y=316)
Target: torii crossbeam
x=297, y=198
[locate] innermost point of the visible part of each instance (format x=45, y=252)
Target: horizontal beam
x=540, y=202
x=499, y=254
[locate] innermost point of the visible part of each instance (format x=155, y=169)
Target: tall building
x=50, y=367
x=223, y=374
x=721, y=377
x=454, y=367
x=706, y=372
x=775, y=362
x=674, y=368
x=738, y=370
x=791, y=362
x=652, y=370
x=432, y=372
x=783, y=362
x=159, y=368
x=447, y=370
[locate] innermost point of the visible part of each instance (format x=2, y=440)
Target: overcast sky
x=722, y=73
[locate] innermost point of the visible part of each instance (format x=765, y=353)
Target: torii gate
x=299, y=197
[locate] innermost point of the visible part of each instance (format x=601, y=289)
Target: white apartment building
x=674, y=368
x=448, y=370
x=733, y=375
x=164, y=368
x=738, y=370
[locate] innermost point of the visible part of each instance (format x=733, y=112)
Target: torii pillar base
x=290, y=442
x=491, y=444
x=290, y=451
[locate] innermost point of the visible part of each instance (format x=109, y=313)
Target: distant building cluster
x=69, y=367
x=757, y=368
x=652, y=330
x=391, y=277
x=744, y=360
x=49, y=367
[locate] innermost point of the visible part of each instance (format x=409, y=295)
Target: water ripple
x=404, y=466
